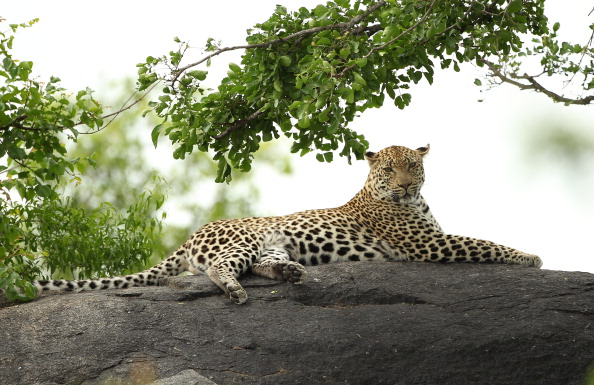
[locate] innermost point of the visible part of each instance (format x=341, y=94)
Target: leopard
x=387, y=220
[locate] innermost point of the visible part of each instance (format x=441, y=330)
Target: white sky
x=480, y=180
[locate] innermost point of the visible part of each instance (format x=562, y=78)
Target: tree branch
x=306, y=32
x=369, y=30
x=533, y=85
x=16, y=123
x=238, y=124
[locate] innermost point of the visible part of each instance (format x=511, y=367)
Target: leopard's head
x=397, y=173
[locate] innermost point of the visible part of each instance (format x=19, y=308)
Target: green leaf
x=323, y=116
x=389, y=32
x=296, y=104
x=359, y=79
x=347, y=94
x=200, y=75
x=362, y=62
x=390, y=91
x=401, y=101
x=304, y=122
x=43, y=191
x=323, y=41
x=277, y=85
x=223, y=171
x=284, y=60
x=344, y=52
x=235, y=68
x=155, y=133
x=25, y=68
x=515, y=6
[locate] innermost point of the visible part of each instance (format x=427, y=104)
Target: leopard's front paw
x=237, y=294
x=294, y=272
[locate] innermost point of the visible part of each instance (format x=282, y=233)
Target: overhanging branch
x=123, y=108
x=301, y=34
x=528, y=82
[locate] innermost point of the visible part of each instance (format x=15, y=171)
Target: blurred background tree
x=565, y=145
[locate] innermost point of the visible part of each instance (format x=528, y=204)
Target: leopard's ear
x=423, y=150
x=371, y=157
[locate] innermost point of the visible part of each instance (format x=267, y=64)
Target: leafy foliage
x=55, y=235
x=40, y=231
x=307, y=74
x=32, y=115
x=126, y=166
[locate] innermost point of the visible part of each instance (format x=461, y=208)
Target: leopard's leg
x=269, y=258
x=227, y=281
x=224, y=269
x=276, y=264
x=441, y=247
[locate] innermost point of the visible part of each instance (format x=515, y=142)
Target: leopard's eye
x=412, y=165
x=388, y=169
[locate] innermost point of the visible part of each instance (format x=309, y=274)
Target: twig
x=581, y=58
x=16, y=123
x=238, y=124
x=533, y=85
x=306, y=32
x=122, y=109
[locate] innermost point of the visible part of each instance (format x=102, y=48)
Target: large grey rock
x=352, y=323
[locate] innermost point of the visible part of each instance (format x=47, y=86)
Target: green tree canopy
x=307, y=74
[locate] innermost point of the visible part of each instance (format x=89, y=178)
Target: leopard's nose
x=404, y=185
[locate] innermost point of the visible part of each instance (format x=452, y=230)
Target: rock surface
x=187, y=377
x=352, y=323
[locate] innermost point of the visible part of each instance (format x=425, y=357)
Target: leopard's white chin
x=406, y=198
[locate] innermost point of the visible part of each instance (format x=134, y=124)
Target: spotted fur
x=387, y=220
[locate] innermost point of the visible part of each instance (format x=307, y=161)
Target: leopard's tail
x=174, y=265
